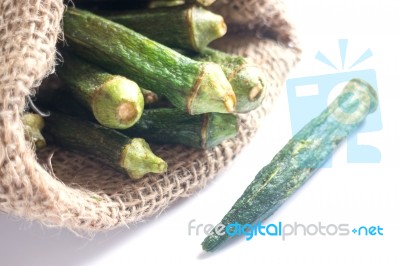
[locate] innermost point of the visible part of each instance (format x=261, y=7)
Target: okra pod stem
x=187, y=27
x=149, y=97
x=131, y=156
x=247, y=80
x=115, y=101
x=169, y=125
x=298, y=160
x=196, y=87
x=33, y=125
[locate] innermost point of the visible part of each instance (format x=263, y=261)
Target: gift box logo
x=308, y=97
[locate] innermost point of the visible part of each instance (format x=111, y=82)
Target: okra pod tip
x=138, y=159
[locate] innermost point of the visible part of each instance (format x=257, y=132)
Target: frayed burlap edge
x=74, y=191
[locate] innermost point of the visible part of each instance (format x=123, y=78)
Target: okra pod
x=298, y=160
x=187, y=27
x=116, y=102
x=131, y=156
x=196, y=87
x=247, y=80
x=33, y=125
x=169, y=125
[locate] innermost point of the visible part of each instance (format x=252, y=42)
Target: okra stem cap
x=206, y=27
x=249, y=84
x=33, y=124
x=138, y=159
x=118, y=103
x=212, y=92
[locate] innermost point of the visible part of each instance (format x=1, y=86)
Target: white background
x=356, y=194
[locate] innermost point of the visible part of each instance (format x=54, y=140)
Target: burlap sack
x=62, y=188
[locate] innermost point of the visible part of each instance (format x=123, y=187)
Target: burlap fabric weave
x=61, y=188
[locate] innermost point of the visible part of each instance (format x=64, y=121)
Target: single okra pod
x=196, y=87
x=247, y=80
x=33, y=125
x=116, y=102
x=298, y=160
x=187, y=27
x=169, y=125
x=131, y=156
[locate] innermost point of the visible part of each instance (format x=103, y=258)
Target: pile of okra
x=143, y=73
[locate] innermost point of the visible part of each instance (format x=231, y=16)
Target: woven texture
x=61, y=188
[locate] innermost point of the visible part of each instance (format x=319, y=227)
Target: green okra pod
x=131, y=156
x=115, y=101
x=247, y=80
x=187, y=27
x=169, y=125
x=195, y=87
x=298, y=160
x=33, y=125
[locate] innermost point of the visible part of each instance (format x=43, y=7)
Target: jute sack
x=61, y=188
